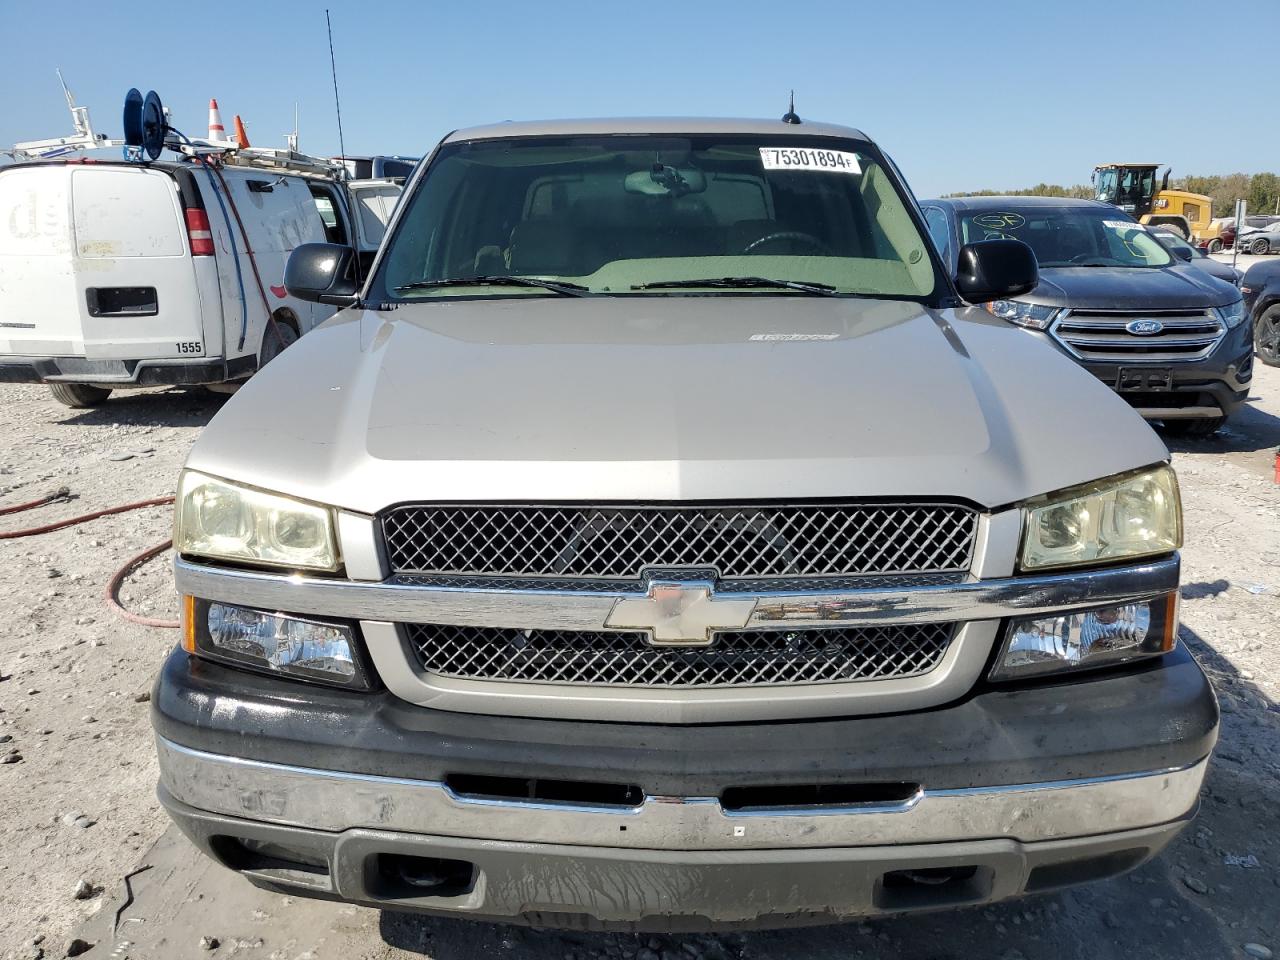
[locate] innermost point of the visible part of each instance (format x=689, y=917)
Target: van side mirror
x=321, y=273
x=996, y=270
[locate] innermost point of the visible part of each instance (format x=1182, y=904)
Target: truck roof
x=674, y=125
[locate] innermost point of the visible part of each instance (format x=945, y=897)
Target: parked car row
x=1256, y=237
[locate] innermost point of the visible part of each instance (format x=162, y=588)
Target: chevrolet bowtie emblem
x=682, y=614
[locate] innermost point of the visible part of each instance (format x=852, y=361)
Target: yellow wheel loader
x=1132, y=187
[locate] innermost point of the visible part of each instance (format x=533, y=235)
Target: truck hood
x=670, y=398
x=1131, y=288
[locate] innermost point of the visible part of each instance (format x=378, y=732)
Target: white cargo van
x=118, y=275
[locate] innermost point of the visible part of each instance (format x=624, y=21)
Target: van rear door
x=39, y=313
x=136, y=284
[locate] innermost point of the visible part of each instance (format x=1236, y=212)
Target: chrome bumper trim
x=336, y=801
x=995, y=599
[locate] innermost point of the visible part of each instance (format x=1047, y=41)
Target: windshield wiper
x=555, y=286
x=814, y=289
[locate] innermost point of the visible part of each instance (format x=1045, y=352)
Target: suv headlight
x=226, y=521
x=1232, y=314
x=1133, y=515
x=1033, y=315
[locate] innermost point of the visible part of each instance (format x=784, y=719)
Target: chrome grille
x=626, y=658
x=1102, y=335
x=733, y=541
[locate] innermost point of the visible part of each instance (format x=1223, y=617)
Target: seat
x=545, y=246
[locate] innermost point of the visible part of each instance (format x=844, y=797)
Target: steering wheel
x=795, y=236
x=1087, y=256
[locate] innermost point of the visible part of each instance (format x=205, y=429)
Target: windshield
x=1083, y=236
x=639, y=214
x=1106, y=185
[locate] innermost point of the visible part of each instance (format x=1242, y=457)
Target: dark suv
x=1261, y=289
x=1168, y=338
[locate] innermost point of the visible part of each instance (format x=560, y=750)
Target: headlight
x=1087, y=639
x=1033, y=315
x=1232, y=314
x=274, y=643
x=1133, y=515
x=226, y=521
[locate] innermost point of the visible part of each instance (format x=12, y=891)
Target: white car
x=122, y=275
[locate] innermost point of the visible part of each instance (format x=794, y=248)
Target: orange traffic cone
x=242, y=138
x=216, y=130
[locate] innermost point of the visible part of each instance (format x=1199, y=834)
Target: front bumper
x=1018, y=790
x=1205, y=388
x=1212, y=386
x=589, y=887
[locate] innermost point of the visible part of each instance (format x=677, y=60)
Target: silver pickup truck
x=657, y=539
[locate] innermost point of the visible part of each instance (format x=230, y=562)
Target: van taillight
x=199, y=233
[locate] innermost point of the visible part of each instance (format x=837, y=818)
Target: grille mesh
x=751, y=657
x=734, y=541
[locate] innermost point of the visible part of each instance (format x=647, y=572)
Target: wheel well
x=287, y=316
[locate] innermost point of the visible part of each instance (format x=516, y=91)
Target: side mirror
x=996, y=270
x=1182, y=253
x=321, y=273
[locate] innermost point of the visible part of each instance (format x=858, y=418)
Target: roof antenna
x=790, y=116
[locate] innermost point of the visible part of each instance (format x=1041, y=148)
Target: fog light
x=1086, y=639
x=277, y=643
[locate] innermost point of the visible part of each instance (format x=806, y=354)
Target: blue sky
x=964, y=95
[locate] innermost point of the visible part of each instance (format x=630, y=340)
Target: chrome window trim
x=336, y=801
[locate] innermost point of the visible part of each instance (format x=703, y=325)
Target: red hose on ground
x=83, y=518
x=113, y=585
x=61, y=493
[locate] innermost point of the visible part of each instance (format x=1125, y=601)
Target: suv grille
x=1102, y=335
x=734, y=541
x=751, y=657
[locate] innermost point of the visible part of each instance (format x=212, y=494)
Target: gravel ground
x=71, y=672
x=81, y=811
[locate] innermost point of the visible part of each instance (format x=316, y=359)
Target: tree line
x=1260, y=190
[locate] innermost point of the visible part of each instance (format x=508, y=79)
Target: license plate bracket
x=1144, y=379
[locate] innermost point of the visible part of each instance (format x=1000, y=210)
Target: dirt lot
x=80, y=808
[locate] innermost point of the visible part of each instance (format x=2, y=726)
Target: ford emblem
x=1144, y=328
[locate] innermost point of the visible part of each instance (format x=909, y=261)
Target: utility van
x=116, y=275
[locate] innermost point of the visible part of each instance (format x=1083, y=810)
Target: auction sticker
x=1122, y=225
x=808, y=158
